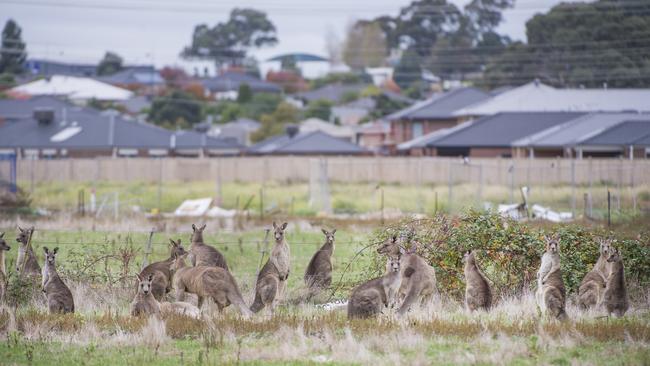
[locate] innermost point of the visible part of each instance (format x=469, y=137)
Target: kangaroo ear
x=21, y=229
x=333, y=231
x=172, y=242
x=150, y=278
x=2, y=235
x=45, y=250
x=324, y=231
x=31, y=229
x=193, y=227
x=275, y=226
x=394, y=239
x=284, y=226
x=56, y=250
x=203, y=227
x=139, y=277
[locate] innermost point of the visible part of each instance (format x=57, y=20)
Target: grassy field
x=293, y=199
x=102, y=333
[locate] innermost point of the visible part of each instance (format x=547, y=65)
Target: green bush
x=508, y=251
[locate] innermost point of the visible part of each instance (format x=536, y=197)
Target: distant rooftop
x=299, y=57
x=442, y=105
x=307, y=143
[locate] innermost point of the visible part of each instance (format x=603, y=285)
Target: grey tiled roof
x=625, y=133
x=332, y=92
x=310, y=143
x=230, y=81
x=502, y=129
x=441, y=105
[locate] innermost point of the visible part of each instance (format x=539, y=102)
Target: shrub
x=508, y=251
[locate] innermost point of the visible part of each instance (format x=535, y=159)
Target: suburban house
x=331, y=92
x=135, y=78
x=77, y=89
x=316, y=124
x=494, y=135
x=352, y=113
x=226, y=85
x=310, y=66
x=239, y=129
x=373, y=136
x=195, y=144
x=48, y=68
x=435, y=113
x=294, y=142
x=629, y=138
x=46, y=127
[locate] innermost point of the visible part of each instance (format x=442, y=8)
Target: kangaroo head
x=468, y=257
x=177, y=249
x=389, y=247
x=393, y=264
x=3, y=243
x=178, y=263
x=197, y=234
x=329, y=236
x=144, y=285
x=614, y=256
x=278, y=231
x=605, y=247
x=24, y=234
x=552, y=243
x=50, y=256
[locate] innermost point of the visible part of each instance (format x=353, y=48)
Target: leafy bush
x=508, y=251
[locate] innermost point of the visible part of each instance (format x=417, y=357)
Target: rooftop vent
x=44, y=115
x=292, y=130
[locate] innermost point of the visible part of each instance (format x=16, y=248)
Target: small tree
x=12, y=53
x=110, y=64
x=174, y=108
x=245, y=94
x=321, y=108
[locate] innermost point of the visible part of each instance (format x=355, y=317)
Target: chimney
x=43, y=115
x=292, y=130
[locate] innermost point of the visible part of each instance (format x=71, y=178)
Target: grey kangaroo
x=318, y=275
x=59, y=297
x=370, y=298
x=272, y=279
x=27, y=263
x=161, y=271
x=592, y=287
x=202, y=254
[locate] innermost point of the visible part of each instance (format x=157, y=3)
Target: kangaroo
x=59, y=297
x=318, y=275
x=615, y=297
x=3, y=270
x=202, y=254
x=592, y=287
x=418, y=277
x=369, y=298
x=26, y=263
x=478, y=294
x=144, y=302
x=206, y=281
x=272, y=280
x=162, y=271
x=551, y=295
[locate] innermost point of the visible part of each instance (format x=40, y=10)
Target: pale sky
x=143, y=31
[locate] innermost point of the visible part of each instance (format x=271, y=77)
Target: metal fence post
x=147, y=250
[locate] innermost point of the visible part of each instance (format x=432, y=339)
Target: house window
x=416, y=129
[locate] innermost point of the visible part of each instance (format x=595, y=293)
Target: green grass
x=293, y=199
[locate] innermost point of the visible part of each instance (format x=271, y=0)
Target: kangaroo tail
x=257, y=303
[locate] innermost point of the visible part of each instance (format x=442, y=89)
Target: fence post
x=451, y=185
x=147, y=250
x=512, y=181
x=609, y=208
x=573, y=186
x=262, y=202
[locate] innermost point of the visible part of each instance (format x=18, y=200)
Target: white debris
x=193, y=208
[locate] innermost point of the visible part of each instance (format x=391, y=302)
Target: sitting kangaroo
x=161, y=271
x=202, y=254
x=318, y=275
x=145, y=303
x=418, y=277
x=272, y=280
x=551, y=295
x=27, y=263
x=615, y=297
x=59, y=297
x=478, y=294
x=206, y=281
x=592, y=287
x=369, y=298
x=3, y=270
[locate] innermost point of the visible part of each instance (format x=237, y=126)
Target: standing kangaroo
x=615, y=297
x=59, y=297
x=3, y=270
x=418, y=277
x=145, y=303
x=202, y=254
x=592, y=287
x=318, y=275
x=206, y=281
x=272, y=280
x=369, y=298
x=551, y=295
x=26, y=263
x=161, y=271
x=478, y=294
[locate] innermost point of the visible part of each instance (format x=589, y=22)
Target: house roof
x=75, y=127
x=443, y=105
x=317, y=124
x=299, y=57
x=306, y=143
x=244, y=123
x=577, y=130
x=537, y=97
x=502, y=129
x=332, y=92
x=72, y=87
x=134, y=76
x=432, y=137
x=230, y=81
x=624, y=134
x=187, y=139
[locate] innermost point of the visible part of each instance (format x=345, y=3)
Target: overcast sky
x=143, y=31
